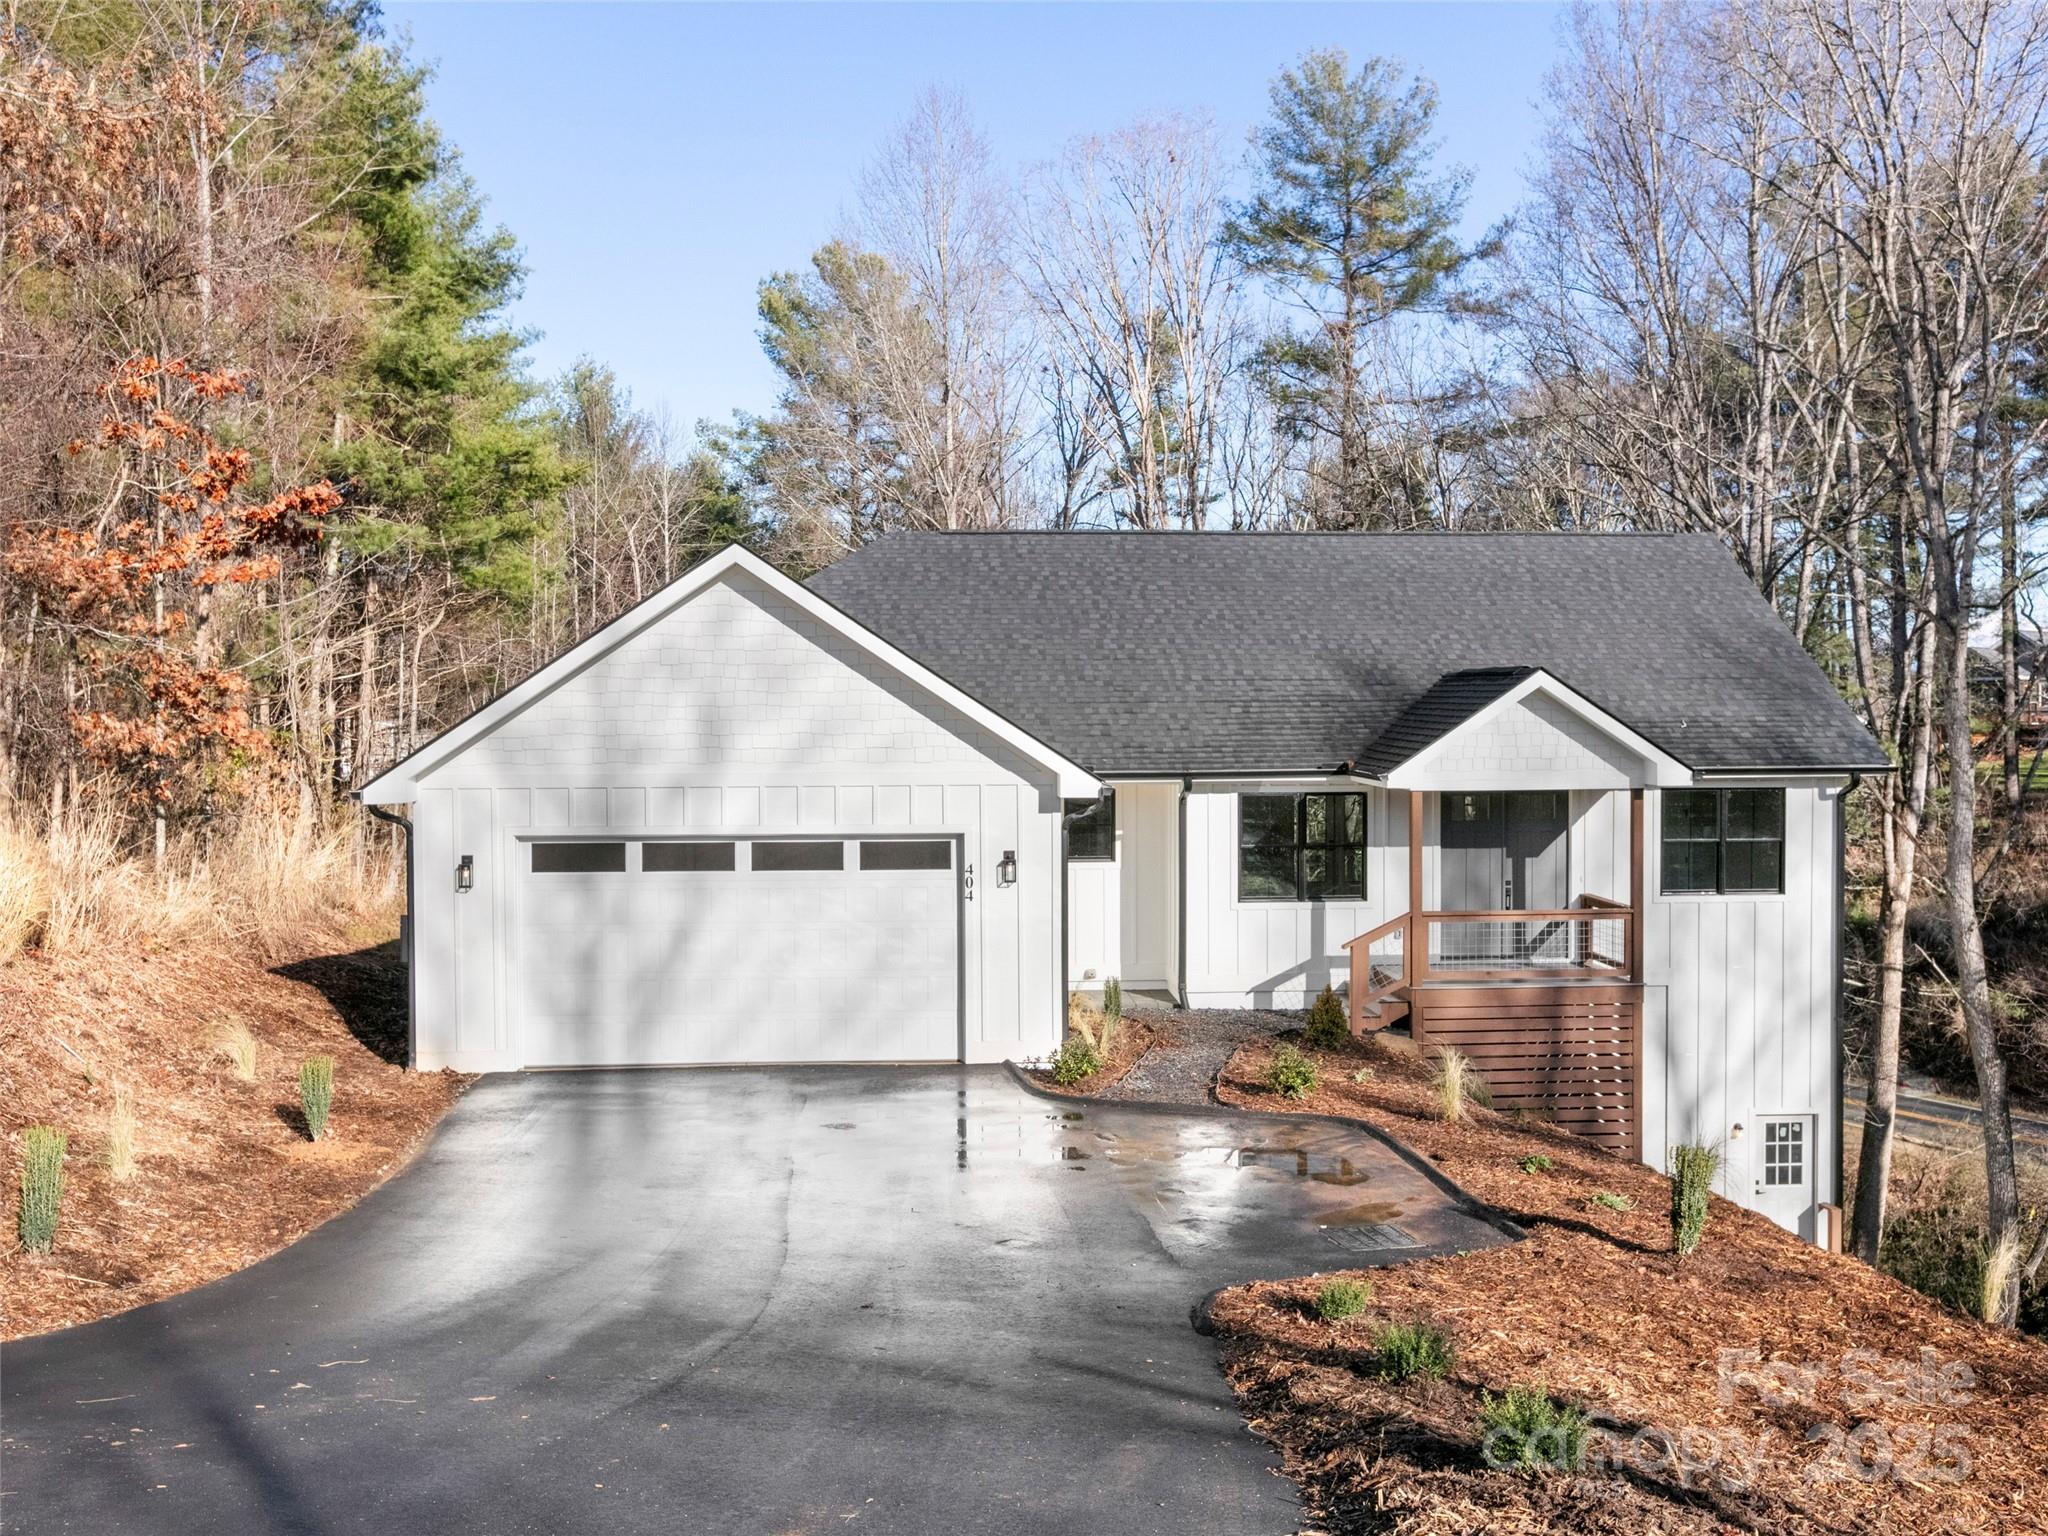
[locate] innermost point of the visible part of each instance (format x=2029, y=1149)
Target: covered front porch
x=1541, y=986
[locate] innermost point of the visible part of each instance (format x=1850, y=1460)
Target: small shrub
x=42, y=1186
x=1112, y=999
x=1538, y=1162
x=1075, y=1061
x=121, y=1137
x=236, y=1044
x=1329, y=1026
x=1613, y=1202
x=1527, y=1430
x=1402, y=1351
x=1692, y=1178
x=1291, y=1074
x=1340, y=1299
x=1457, y=1083
x=316, y=1093
x=1362, y=1075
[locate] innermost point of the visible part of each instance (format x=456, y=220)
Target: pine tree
x=1348, y=223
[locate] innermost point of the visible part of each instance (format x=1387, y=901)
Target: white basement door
x=642, y=953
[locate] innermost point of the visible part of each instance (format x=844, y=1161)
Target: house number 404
x=967, y=878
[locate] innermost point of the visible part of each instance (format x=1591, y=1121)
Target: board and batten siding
x=1739, y=1003
x=1280, y=954
x=1123, y=915
x=736, y=713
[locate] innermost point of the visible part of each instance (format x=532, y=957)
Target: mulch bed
x=1134, y=1036
x=1802, y=1435
x=225, y=1173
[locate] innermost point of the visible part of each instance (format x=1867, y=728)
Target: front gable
x=732, y=668
x=734, y=682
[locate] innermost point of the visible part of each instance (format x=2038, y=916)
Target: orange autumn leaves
x=136, y=591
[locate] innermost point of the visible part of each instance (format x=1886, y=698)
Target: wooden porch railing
x=1591, y=940
x=1379, y=968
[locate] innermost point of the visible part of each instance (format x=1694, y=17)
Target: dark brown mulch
x=1132, y=1038
x=1595, y=1308
x=225, y=1174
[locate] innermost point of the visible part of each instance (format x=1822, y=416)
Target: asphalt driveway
x=734, y=1302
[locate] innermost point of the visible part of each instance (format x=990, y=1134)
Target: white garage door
x=752, y=950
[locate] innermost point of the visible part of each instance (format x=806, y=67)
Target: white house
x=1570, y=803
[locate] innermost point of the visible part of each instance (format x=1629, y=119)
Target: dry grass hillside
x=160, y=1018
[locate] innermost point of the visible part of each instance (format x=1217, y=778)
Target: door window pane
x=1784, y=1153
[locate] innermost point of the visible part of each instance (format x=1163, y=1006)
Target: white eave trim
x=1664, y=770
x=400, y=783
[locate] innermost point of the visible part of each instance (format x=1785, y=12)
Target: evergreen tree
x=1346, y=221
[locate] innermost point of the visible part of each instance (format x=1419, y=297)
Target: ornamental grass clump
x=1692, y=1179
x=1328, y=1026
x=1527, y=1430
x=235, y=1043
x=316, y=1093
x=42, y=1186
x=1291, y=1074
x=1340, y=1299
x=1112, y=999
x=121, y=1137
x=1457, y=1083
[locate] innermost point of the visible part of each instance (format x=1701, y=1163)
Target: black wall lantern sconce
x=1006, y=872
x=465, y=873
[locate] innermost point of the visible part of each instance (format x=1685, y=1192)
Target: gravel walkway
x=1185, y=1072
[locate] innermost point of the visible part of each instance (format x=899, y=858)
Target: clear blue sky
x=656, y=161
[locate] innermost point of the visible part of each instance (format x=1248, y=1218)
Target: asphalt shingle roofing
x=1221, y=654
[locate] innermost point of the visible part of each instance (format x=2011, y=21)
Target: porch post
x=1635, y=884
x=1417, y=942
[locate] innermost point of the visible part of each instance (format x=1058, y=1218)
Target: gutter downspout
x=1060, y=993
x=1180, y=948
x=411, y=936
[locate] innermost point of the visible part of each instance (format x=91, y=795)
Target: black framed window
x=687, y=857
x=1091, y=829
x=777, y=856
x=1723, y=841
x=1300, y=847
x=579, y=858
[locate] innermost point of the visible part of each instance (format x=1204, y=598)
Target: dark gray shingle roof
x=1269, y=653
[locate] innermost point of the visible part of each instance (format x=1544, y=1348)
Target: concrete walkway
x=909, y=1301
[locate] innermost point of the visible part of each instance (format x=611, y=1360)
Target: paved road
x=730, y=1302
x=1937, y=1120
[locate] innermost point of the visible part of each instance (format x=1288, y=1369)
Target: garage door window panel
x=893, y=853
x=774, y=857
x=691, y=858
x=579, y=858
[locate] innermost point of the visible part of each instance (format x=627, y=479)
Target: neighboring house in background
x=1569, y=803
x=1987, y=679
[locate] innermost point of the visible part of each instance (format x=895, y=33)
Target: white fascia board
x=400, y=783
x=1665, y=771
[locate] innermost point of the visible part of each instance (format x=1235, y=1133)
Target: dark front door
x=1501, y=850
